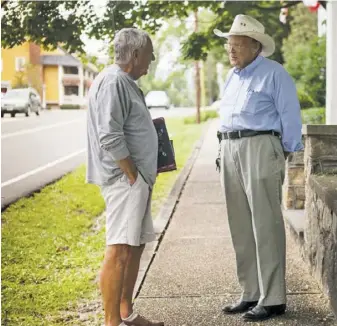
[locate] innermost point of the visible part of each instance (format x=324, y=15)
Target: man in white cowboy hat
x=260, y=124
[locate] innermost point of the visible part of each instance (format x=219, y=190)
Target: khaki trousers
x=252, y=173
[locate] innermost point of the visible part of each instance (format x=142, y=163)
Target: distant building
x=60, y=77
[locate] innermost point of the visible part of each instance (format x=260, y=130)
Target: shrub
x=313, y=116
x=204, y=116
x=306, y=63
x=70, y=107
x=305, y=99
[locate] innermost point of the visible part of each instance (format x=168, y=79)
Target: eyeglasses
x=236, y=47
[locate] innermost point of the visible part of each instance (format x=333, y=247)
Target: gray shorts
x=128, y=212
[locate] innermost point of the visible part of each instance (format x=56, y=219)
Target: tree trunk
x=197, y=74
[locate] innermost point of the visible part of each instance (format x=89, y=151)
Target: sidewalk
x=193, y=272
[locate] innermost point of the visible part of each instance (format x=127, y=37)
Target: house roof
x=62, y=60
x=65, y=60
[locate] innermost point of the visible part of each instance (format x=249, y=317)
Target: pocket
x=249, y=102
x=126, y=181
x=254, y=102
x=138, y=180
x=277, y=149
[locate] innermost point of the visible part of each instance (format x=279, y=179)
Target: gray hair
x=126, y=41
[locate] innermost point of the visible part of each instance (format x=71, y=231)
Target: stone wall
x=320, y=236
x=320, y=224
x=320, y=155
x=293, y=186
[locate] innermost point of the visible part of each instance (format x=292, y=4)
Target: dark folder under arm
x=166, y=156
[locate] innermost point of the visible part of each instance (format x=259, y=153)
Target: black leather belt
x=247, y=133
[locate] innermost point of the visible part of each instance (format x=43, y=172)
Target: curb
x=165, y=214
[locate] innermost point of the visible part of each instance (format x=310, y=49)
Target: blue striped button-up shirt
x=262, y=96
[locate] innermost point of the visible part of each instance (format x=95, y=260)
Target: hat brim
x=268, y=44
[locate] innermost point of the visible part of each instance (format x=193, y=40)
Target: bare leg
x=111, y=282
x=130, y=278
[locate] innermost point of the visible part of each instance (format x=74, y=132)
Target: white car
x=157, y=99
x=21, y=100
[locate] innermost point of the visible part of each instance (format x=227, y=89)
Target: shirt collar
x=250, y=68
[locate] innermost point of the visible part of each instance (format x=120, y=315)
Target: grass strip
x=53, y=242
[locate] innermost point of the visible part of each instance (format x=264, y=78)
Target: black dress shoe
x=240, y=307
x=260, y=313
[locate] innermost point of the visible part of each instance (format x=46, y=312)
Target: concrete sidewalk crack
x=220, y=295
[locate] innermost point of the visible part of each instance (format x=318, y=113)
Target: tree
x=175, y=82
x=29, y=76
x=200, y=44
x=93, y=60
x=307, y=66
x=20, y=80
x=303, y=27
x=42, y=21
x=305, y=57
x=48, y=23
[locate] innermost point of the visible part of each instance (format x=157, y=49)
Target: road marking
x=30, y=131
x=41, y=168
x=8, y=120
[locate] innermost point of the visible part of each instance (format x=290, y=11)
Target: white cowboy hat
x=244, y=25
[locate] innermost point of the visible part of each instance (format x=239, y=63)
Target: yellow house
x=60, y=78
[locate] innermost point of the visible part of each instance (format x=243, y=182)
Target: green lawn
x=53, y=243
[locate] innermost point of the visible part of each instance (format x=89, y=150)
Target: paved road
x=38, y=150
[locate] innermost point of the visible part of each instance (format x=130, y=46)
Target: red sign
x=313, y=5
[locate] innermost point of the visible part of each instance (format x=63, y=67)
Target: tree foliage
x=307, y=66
x=52, y=22
x=48, y=23
x=29, y=76
x=86, y=59
x=303, y=27
x=175, y=83
x=305, y=57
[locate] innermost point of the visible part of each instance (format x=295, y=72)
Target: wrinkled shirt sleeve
x=288, y=107
x=113, y=107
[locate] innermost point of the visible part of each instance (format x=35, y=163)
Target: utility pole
x=197, y=73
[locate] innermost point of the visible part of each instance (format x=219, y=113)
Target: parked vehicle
x=21, y=100
x=157, y=99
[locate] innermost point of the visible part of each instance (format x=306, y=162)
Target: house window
x=70, y=70
x=20, y=63
x=71, y=90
